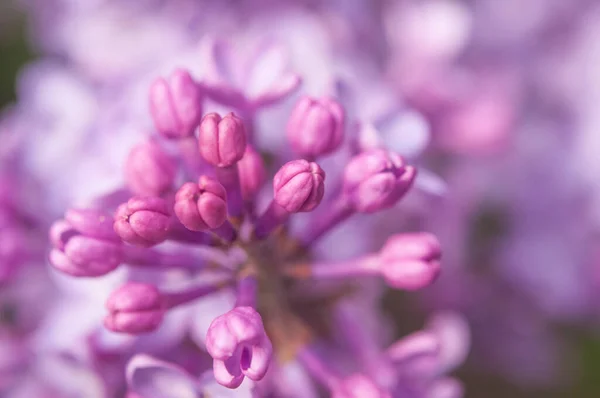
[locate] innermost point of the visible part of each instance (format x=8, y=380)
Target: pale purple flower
x=247, y=82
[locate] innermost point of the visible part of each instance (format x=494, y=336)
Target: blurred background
x=509, y=91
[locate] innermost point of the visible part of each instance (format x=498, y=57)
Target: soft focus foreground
x=299, y=199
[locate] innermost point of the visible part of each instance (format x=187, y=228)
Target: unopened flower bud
x=175, y=104
x=239, y=345
x=143, y=221
x=83, y=245
x=411, y=261
x=149, y=171
x=134, y=308
x=222, y=140
x=251, y=171
x=376, y=179
x=316, y=127
x=91, y=223
x=299, y=186
x=201, y=206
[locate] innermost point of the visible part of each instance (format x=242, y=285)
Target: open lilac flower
x=240, y=347
x=247, y=83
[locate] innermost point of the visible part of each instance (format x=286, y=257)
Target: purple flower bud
x=201, y=206
x=149, y=171
x=84, y=245
x=411, y=261
x=143, y=221
x=239, y=346
x=222, y=140
x=91, y=223
x=251, y=171
x=316, y=127
x=376, y=179
x=176, y=104
x=60, y=232
x=84, y=256
x=299, y=186
x=134, y=308
x=358, y=386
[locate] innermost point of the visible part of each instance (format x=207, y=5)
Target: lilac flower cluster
x=191, y=206
x=206, y=219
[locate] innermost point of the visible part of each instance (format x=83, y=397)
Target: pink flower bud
x=239, y=345
x=251, y=171
x=134, y=308
x=149, y=171
x=91, y=223
x=176, y=104
x=316, y=127
x=84, y=245
x=143, y=221
x=411, y=261
x=358, y=386
x=299, y=186
x=90, y=257
x=222, y=140
x=201, y=206
x=376, y=179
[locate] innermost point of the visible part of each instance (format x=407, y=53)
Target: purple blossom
x=202, y=214
x=233, y=245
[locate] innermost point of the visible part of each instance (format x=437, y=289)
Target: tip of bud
x=222, y=140
x=149, y=171
x=252, y=174
x=86, y=257
x=92, y=223
x=411, y=261
x=143, y=221
x=316, y=127
x=201, y=206
x=134, y=308
x=176, y=104
x=299, y=186
x=377, y=179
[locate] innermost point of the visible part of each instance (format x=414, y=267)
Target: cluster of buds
x=205, y=200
